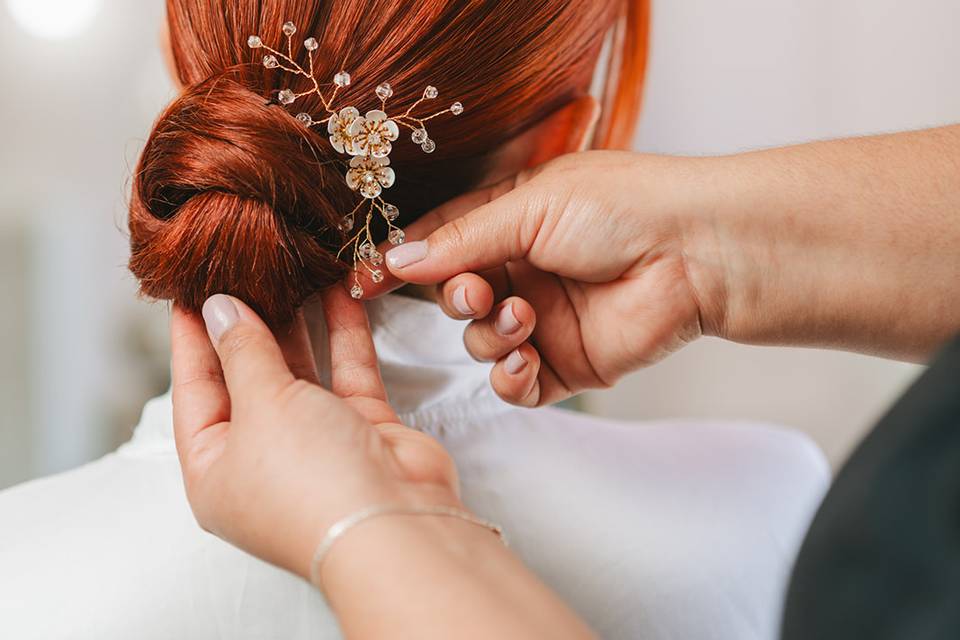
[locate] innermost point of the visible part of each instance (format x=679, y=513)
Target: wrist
x=719, y=269
x=750, y=251
x=381, y=554
x=770, y=250
x=310, y=531
x=441, y=578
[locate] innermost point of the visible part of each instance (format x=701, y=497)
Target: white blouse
x=654, y=531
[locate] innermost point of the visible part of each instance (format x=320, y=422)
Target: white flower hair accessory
x=370, y=175
x=367, y=139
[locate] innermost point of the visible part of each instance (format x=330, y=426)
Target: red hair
x=233, y=195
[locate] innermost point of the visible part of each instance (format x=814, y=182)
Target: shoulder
x=686, y=529
x=724, y=452
x=111, y=551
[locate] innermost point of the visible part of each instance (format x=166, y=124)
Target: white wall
x=73, y=118
x=743, y=74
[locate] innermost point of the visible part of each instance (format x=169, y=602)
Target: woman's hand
x=270, y=459
x=600, y=263
x=568, y=285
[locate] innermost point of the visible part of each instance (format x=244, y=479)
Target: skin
x=271, y=461
x=611, y=261
x=571, y=276
x=267, y=490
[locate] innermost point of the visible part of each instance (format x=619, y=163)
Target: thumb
x=252, y=361
x=500, y=231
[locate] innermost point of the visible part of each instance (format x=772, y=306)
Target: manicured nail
x=407, y=254
x=514, y=363
x=507, y=323
x=221, y=315
x=460, y=302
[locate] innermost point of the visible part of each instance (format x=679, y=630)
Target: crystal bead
x=430, y=93
x=311, y=44
x=357, y=292
x=271, y=62
x=289, y=29
x=397, y=237
x=428, y=146
x=376, y=259
x=377, y=276
x=367, y=250
x=254, y=42
x=385, y=91
x=391, y=212
x=305, y=119
x=347, y=223
x=342, y=79
x=419, y=136
x=456, y=108
x=287, y=97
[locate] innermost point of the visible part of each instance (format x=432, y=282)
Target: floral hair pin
x=367, y=139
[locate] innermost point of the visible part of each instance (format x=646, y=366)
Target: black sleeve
x=882, y=559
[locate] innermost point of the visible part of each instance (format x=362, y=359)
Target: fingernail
x=507, y=323
x=407, y=254
x=514, y=363
x=460, y=302
x=220, y=314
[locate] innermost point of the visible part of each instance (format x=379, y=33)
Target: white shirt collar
x=430, y=378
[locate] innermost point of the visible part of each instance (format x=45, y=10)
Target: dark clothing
x=882, y=559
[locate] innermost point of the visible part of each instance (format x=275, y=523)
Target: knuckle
x=564, y=162
x=457, y=234
x=297, y=391
x=206, y=375
x=472, y=347
x=237, y=341
x=481, y=343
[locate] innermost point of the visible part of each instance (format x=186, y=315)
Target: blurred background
x=79, y=354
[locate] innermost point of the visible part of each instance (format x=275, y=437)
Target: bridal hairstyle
x=233, y=195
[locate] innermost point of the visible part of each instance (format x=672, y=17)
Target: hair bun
x=234, y=196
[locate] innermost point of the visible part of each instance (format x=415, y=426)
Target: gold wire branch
x=366, y=138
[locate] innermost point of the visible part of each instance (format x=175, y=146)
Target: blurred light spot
x=54, y=19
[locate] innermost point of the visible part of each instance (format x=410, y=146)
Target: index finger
x=355, y=371
x=200, y=398
x=426, y=225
